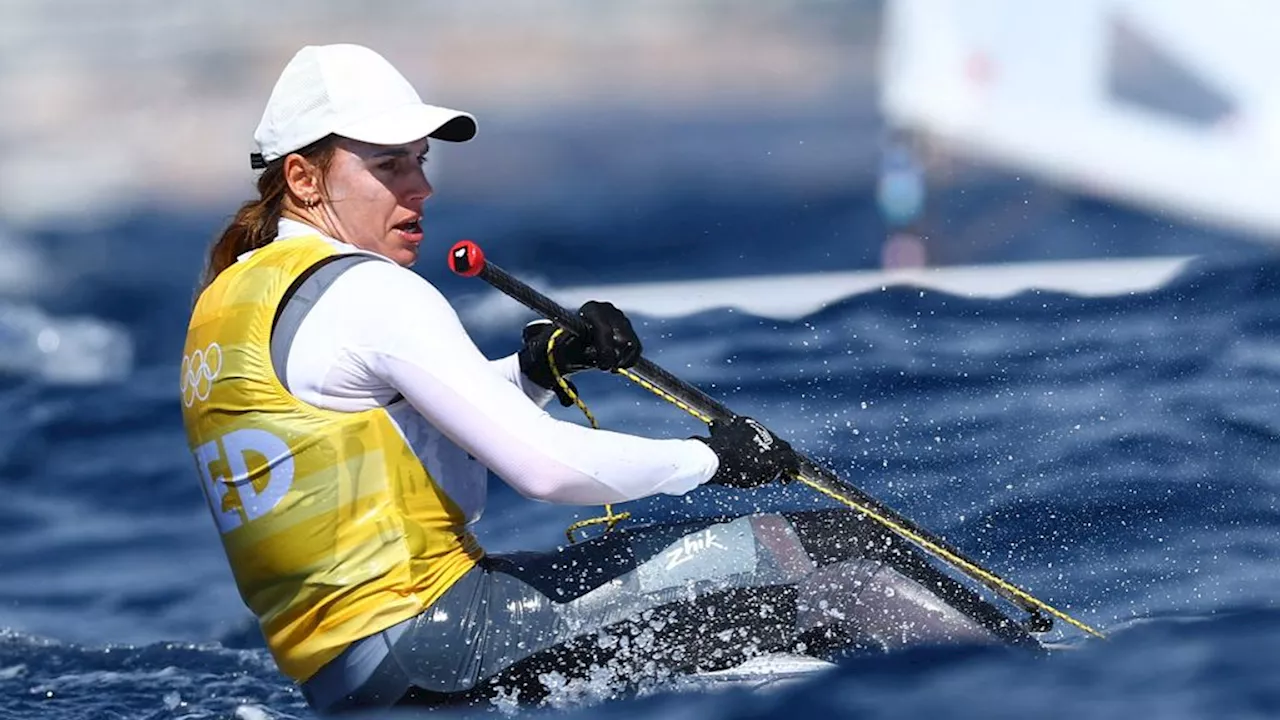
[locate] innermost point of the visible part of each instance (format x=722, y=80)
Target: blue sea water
x=1115, y=456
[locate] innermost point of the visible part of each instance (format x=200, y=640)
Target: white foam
x=76, y=350
x=23, y=270
x=773, y=665
x=787, y=297
x=252, y=712
x=762, y=673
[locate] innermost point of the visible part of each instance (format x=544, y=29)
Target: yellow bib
x=333, y=527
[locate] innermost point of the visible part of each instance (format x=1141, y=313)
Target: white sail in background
x=1173, y=105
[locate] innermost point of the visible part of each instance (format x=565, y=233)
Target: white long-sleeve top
x=381, y=330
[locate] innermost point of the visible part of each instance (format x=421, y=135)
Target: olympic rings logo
x=198, y=372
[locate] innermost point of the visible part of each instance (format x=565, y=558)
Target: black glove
x=750, y=455
x=610, y=343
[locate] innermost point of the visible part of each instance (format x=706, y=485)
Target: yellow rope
x=888, y=522
x=664, y=395
x=610, y=519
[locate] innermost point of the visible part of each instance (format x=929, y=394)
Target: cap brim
x=410, y=123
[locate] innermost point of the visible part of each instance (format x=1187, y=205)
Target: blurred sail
x=1169, y=105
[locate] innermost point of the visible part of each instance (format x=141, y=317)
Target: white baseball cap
x=352, y=91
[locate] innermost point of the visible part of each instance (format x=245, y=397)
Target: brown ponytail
x=254, y=224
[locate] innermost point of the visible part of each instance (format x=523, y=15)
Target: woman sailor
x=344, y=425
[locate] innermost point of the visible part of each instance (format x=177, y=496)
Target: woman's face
x=374, y=196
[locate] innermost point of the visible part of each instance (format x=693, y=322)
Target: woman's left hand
x=610, y=343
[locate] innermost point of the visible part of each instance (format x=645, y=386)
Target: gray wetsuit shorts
x=637, y=606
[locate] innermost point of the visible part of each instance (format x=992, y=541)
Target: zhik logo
x=763, y=438
x=690, y=546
